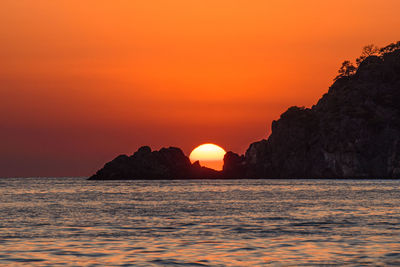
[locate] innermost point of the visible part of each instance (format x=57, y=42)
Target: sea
x=76, y=222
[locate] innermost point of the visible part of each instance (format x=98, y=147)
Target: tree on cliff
x=389, y=48
x=346, y=70
x=368, y=50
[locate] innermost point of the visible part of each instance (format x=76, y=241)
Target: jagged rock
x=200, y=172
x=352, y=132
x=167, y=163
x=234, y=166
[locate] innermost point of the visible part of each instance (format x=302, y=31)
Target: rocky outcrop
x=167, y=163
x=200, y=172
x=234, y=166
x=352, y=132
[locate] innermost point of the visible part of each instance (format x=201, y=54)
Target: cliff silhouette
x=145, y=164
x=352, y=132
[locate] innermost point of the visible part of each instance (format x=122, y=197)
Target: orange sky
x=84, y=81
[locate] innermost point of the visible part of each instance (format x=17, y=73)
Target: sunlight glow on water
x=72, y=221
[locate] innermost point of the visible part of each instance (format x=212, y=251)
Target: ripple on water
x=199, y=223
x=174, y=262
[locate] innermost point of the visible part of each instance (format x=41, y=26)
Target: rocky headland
x=352, y=132
x=145, y=164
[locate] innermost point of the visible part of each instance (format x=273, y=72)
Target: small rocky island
x=352, y=132
x=167, y=163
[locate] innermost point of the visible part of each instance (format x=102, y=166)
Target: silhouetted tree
x=346, y=70
x=368, y=50
x=390, y=48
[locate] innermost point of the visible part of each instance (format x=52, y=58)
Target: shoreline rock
x=165, y=164
x=352, y=132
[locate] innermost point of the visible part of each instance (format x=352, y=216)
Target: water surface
x=72, y=221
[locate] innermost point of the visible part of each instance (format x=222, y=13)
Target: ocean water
x=75, y=222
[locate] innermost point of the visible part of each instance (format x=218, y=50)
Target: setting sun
x=209, y=155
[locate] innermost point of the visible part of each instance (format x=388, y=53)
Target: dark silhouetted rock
x=199, y=172
x=167, y=163
x=234, y=166
x=352, y=132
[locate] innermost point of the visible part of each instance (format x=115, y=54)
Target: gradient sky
x=83, y=81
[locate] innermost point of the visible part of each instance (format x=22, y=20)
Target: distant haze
x=84, y=81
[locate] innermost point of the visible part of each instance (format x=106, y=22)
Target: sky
x=84, y=81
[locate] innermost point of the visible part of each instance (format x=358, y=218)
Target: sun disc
x=209, y=155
